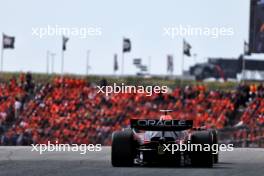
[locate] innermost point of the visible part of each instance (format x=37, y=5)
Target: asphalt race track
x=22, y=161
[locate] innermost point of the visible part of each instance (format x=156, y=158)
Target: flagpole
x=182, y=63
x=114, y=70
x=62, y=63
x=87, y=61
x=243, y=69
x=183, y=60
x=149, y=64
x=52, y=62
x=2, y=58
x=172, y=67
x=194, y=58
x=2, y=53
x=246, y=52
x=182, y=68
x=122, y=67
x=47, y=69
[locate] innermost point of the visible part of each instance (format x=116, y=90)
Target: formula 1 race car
x=150, y=141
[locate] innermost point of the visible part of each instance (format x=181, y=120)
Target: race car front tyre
x=122, y=154
x=202, y=158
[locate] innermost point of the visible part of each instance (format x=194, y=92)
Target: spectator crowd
x=70, y=110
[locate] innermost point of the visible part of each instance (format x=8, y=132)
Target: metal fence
x=242, y=136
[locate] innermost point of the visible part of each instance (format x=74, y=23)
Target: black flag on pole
x=64, y=42
x=8, y=42
x=186, y=48
x=115, y=63
x=137, y=61
x=143, y=68
x=126, y=45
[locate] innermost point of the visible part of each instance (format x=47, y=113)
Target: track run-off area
x=22, y=161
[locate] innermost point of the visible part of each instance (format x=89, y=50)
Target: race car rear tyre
x=202, y=158
x=215, y=141
x=122, y=154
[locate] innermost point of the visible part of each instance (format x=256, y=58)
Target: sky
x=141, y=21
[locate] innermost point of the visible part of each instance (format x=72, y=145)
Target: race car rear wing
x=161, y=125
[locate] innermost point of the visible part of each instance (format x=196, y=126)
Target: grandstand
x=69, y=110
